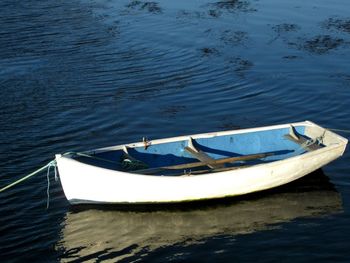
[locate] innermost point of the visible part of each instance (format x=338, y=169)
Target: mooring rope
x=47, y=166
x=50, y=164
x=53, y=162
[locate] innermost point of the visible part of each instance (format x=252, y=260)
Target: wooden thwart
x=199, y=164
x=202, y=156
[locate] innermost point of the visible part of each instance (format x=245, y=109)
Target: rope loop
x=49, y=165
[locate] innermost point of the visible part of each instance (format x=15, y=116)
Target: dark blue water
x=78, y=75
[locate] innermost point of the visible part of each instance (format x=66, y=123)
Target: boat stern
x=325, y=136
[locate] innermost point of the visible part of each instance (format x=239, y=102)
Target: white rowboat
x=198, y=167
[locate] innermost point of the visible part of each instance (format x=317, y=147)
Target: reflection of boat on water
x=117, y=234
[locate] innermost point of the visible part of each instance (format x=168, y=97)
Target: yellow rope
x=53, y=162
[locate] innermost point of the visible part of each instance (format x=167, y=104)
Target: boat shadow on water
x=122, y=231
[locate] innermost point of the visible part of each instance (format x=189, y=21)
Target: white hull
x=84, y=183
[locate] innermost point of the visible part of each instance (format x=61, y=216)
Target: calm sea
x=78, y=75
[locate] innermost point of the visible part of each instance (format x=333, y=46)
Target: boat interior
x=206, y=154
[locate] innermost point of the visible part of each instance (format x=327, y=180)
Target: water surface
x=77, y=75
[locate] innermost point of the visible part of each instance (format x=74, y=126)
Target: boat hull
x=85, y=183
